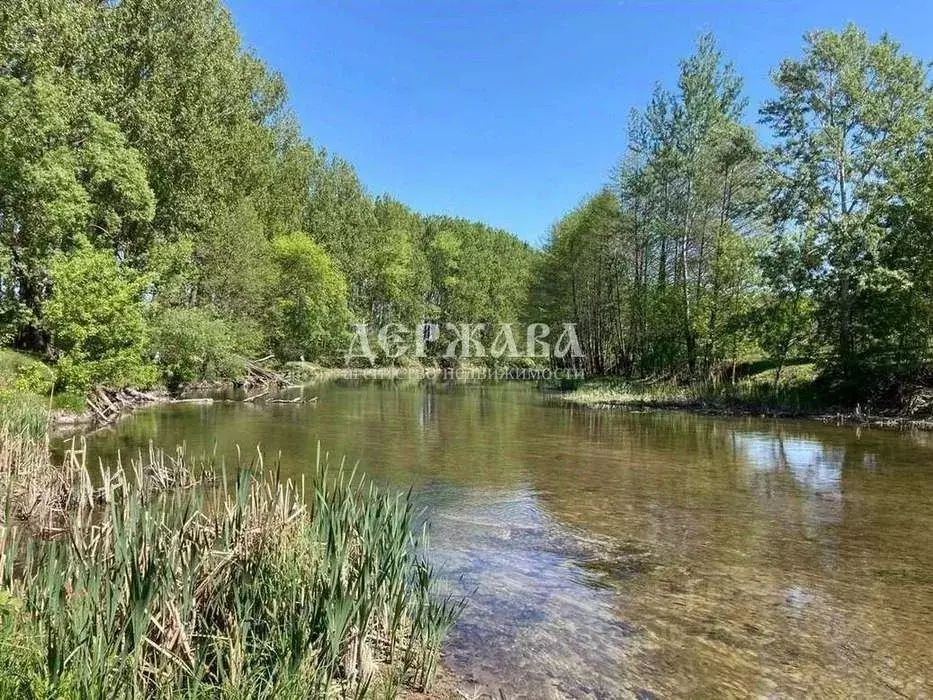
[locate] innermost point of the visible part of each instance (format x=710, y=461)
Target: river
x=613, y=554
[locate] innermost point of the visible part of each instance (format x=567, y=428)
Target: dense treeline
x=160, y=209
x=162, y=215
x=709, y=247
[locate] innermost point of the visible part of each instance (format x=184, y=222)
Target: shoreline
x=839, y=418
x=596, y=397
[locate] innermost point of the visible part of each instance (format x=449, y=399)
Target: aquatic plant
x=170, y=582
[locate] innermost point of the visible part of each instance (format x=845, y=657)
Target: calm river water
x=610, y=554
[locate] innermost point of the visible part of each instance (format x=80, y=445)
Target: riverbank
x=796, y=398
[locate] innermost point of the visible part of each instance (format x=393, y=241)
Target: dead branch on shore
x=260, y=377
x=106, y=405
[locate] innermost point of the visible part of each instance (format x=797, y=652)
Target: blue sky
x=511, y=112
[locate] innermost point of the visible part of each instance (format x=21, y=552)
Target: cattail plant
x=169, y=579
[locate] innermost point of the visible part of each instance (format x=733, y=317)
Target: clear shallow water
x=610, y=554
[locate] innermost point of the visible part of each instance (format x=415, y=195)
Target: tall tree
x=848, y=114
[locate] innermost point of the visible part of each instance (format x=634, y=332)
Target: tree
x=65, y=172
x=341, y=218
x=311, y=312
x=786, y=314
x=658, y=269
x=192, y=345
x=96, y=322
x=848, y=113
x=401, y=279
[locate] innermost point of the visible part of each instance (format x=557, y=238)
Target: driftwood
x=107, y=405
x=258, y=376
x=255, y=396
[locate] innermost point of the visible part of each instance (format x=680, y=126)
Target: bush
x=96, y=323
x=35, y=378
x=192, y=344
x=22, y=373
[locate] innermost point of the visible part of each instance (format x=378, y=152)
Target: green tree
x=402, y=277
x=192, y=344
x=340, y=217
x=96, y=323
x=311, y=311
x=786, y=312
x=848, y=113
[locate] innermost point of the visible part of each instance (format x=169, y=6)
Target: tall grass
x=24, y=414
x=171, y=583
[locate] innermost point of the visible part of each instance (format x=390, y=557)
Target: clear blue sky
x=510, y=112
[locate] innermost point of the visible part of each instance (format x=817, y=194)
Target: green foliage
x=23, y=373
x=282, y=591
x=757, y=387
x=95, y=319
x=847, y=114
x=711, y=249
x=312, y=316
x=24, y=414
x=144, y=128
x=236, y=268
x=66, y=166
x=35, y=378
x=402, y=279
x=478, y=274
x=658, y=270
x=192, y=345
x=70, y=401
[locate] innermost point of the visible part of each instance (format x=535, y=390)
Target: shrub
x=35, y=378
x=22, y=373
x=96, y=323
x=192, y=344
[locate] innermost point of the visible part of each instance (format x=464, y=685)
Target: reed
x=169, y=580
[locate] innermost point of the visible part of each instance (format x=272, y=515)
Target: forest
x=163, y=216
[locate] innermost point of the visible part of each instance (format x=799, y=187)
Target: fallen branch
x=248, y=399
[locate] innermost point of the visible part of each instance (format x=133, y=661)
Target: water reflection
x=609, y=554
x=815, y=467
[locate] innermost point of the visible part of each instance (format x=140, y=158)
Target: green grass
x=25, y=388
x=795, y=392
x=25, y=414
x=174, y=582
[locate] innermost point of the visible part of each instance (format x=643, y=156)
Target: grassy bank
x=26, y=392
x=796, y=393
x=172, y=581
